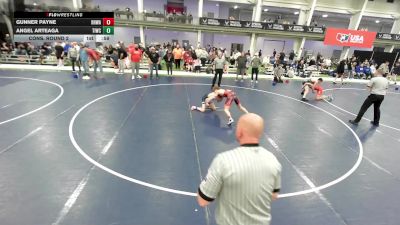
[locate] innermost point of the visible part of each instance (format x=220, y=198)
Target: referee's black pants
x=372, y=99
x=218, y=72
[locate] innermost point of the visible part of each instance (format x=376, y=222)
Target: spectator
x=169, y=59
x=100, y=53
x=5, y=48
x=135, y=55
x=395, y=72
x=359, y=69
x=220, y=65
x=278, y=73
x=274, y=53
x=110, y=49
x=83, y=57
x=300, y=68
x=190, y=18
x=243, y=181
x=66, y=48
x=114, y=59
x=197, y=65
x=241, y=66
x=122, y=54
x=255, y=64
x=203, y=56
x=154, y=62
x=73, y=56
x=8, y=41
x=373, y=68
x=367, y=71
x=282, y=57
x=59, y=53
x=291, y=57
x=178, y=55
x=45, y=50
x=385, y=68
x=340, y=71
x=95, y=57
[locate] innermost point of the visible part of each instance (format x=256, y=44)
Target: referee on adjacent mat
x=378, y=87
x=244, y=180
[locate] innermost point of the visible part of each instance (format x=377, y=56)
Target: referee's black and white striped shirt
x=242, y=181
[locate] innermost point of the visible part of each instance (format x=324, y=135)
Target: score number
x=108, y=26
x=108, y=21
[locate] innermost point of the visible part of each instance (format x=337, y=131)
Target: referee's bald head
x=249, y=129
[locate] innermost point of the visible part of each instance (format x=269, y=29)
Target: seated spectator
x=197, y=65
x=20, y=49
x=4, y=48
x=300, y=68
x=367, y=71
x=359, y=69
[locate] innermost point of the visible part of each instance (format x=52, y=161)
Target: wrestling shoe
x=353, y=122
x=230, y=121
x=193, y=108
x=304, y=99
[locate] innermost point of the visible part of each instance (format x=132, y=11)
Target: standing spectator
x=340, y=71
x=274, y=53
x=255, y=64
x=243, y=181
x=66, y=48
x=190, y=18
x=378, y=88
x=260, y=53
x=73, y=57
x=178, y=55
x=110, y=49
x=282, y=57
x=95, y=57
x=220, y=65
x=241, y=66
x=122, y=54
x=291, y=57
x=395, y=72
x=59, y=54
x=135, y=55
x=154, y=61
x=114, y=59
x=169, y=60
x=373, y=68
x=83, y=58
x=385, y=68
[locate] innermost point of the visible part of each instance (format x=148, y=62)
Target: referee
x=378, y=87
x=244, y=180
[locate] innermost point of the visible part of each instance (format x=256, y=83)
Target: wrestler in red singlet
x=319, y=90
x=230, y=97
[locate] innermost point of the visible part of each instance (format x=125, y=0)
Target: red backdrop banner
x=351, y=38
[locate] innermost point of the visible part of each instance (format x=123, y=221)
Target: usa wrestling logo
x=342, y=38
x=349, y=38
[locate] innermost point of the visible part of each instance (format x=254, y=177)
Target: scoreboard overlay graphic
x=63, y=26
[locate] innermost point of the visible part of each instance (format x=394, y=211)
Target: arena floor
x=114, y=151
